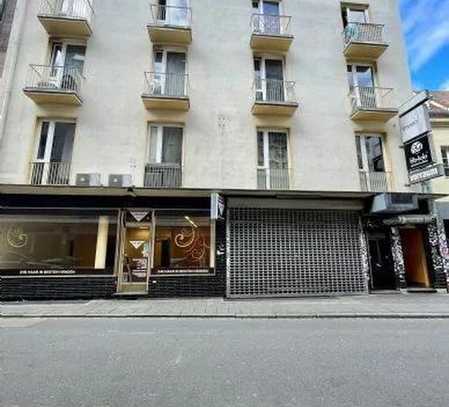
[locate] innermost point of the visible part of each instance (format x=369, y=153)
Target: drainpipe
x=9, y=70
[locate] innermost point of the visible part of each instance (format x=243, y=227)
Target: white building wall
x=220, y=149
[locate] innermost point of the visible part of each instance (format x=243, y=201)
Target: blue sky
x=426, y=28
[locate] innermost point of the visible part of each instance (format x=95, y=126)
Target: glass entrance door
x=136, y=258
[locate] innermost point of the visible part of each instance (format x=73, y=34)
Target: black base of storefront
x=16, y=289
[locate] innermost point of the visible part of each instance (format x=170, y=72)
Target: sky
x=426, y=29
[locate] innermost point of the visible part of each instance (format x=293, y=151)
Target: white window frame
x=159, y=141
x=444, y=150
x=50, y=137
x=362, y=137
x=56, y=72
x=365, y=9
x=263, y=74
x=266, y=150
x=261, y=6
x=163, y=73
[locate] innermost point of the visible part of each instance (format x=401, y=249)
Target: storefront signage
x=53, y=272
x=217, y=207
x=426, y=174
x=172, y=271
x=415, y=123
x=418, y=153
x=416, y=132
x=139, y=215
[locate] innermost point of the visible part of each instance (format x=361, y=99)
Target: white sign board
x=426, y=174
x=415, y=123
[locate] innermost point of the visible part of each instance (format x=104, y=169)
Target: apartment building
x=238, y=148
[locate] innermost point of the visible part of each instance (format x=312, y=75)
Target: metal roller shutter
x=292, y=252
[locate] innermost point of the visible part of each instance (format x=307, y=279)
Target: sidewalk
x=372, y=306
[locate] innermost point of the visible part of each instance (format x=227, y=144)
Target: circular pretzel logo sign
x=417, y=147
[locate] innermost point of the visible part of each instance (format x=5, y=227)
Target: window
x=445, y=158
x=67, y=64
x=361, y=76
x=52, y=242
x=269, y=79
x=370, y=153
x=166, y=145
x=272, y=160
x=169, y=73
x=173, y=12
x=53, y=153
x=183, y=242
x=267, y=18
x=2, y=8
x=354, y=15
x=164, y=168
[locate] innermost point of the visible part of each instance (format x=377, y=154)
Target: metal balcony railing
x=267, y=24
x=50, y=173
x=54, y=78
x=363, y=32
x=371, y=181
x=76, y=9
x=371, y=98
x=163, y=176
x=271, y=178
x=274, y=90
x=171, y=16
x=166, y=84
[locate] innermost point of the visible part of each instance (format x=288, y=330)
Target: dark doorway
x=383, y=276
x=415, y=259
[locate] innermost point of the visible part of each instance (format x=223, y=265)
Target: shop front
x=408, y=249
x=64, y=247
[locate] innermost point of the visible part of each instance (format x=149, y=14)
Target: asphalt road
x=232, y=363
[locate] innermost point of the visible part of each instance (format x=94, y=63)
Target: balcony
x=163, y=176
x=372, y=104
x=374, y=181
x=166, y=91
x=364, y=41
x=170, y=25
x=274, y=97
x=270, y=178
x=66, y=19
x=54, y=85
x=50, y=173
x=270, y=33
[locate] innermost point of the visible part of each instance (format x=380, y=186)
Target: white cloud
x=426, y=28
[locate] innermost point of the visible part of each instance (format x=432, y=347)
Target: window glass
x=182, y=242
x=63, y=142
x=153, y=144
x=374, y=154
x=278, y=150
x=75, y=57
x=47, y=242
x=358, y=141
x=356, y=16
x=43, y=141
x=445, y=157
x=260, y=149
x=172, y=145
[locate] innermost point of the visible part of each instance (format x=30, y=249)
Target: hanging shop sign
x=217, y=207
x=416, y=132
x=426, y=174
x=414, y=119
x=418, y=153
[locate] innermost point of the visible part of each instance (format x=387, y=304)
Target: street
x=218, y=363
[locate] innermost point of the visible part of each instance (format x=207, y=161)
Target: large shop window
x=52, y=242
x=182, y=242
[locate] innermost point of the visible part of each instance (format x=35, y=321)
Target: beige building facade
x=288, y=109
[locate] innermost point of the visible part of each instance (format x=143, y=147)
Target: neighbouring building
x=439, y=117
x=130, y=127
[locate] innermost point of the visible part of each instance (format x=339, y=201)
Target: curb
x=230, y=316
